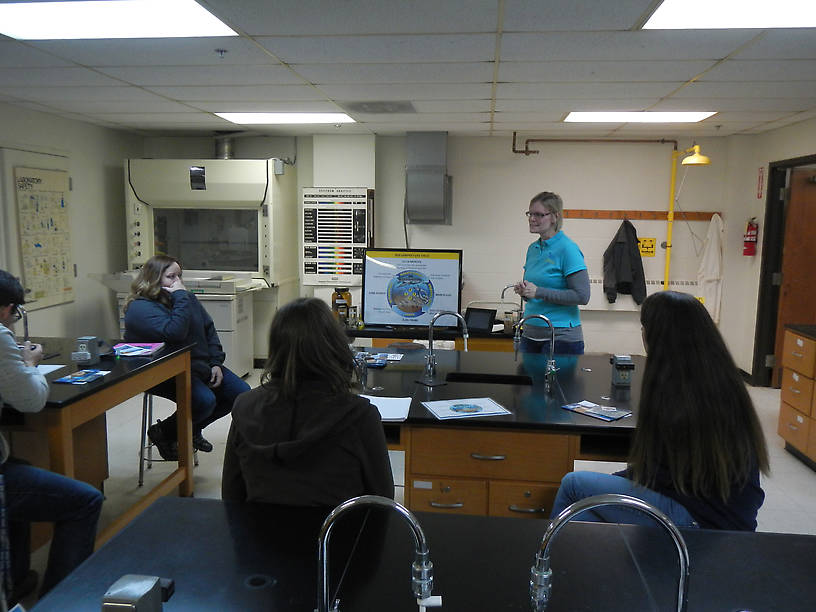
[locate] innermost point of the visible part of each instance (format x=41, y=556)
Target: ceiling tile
x=54, y=77
x=44, y=94
x=253, y=74
x=640, y=45
x=410, y=119
x=384, y=49
x=584, y=90
x=630, y=104
x=444, y=106
x=442, y=72
x=762, y=70
x=157, y=51
x=317, y=17
x=240, y=93
x=734, y=89
x=569, y=15
x=15, y=54
x=785, y=43
x=737, y=104
x=299, y=106
x=600, y=71
x=154, y=105
x=436, y=91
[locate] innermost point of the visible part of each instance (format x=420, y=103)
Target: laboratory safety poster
x=45, y=238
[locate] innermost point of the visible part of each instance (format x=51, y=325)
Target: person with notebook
x=698, y=448
x=160, y=309
x=34, y=494
x=555, y=280
x=304, y=438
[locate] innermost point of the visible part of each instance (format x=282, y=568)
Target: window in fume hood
x=212, y=239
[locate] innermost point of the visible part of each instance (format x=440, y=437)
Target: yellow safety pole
x=670, y=218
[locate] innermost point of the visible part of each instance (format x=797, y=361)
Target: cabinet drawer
x=799, y=353
x=521, y=500
x=797, y=390
x=793, y=427
x=449, y=496
x=511, y=455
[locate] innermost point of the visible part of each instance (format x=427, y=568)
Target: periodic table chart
x=45, y=238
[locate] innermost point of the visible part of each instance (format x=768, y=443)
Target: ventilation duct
x=223, y=147
x=427, y=184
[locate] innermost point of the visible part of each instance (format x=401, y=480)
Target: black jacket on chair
x=622, y=266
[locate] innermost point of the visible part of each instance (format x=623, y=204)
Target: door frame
x=773, y=242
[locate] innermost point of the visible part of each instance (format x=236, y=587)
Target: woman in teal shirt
x=555, y=280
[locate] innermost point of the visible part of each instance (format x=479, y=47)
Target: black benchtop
x=515, y=383
x=805, y=330
x=242, y=557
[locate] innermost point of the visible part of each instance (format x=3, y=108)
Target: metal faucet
x=430, y=358
x=541, y=574
x=549, y=378
x=361, y=369
x=511, y=286
x=24, y=316
x=421, y=569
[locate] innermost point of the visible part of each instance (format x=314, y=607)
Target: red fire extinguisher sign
x=749, y=241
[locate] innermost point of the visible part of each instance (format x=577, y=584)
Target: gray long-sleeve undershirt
x=577, y=291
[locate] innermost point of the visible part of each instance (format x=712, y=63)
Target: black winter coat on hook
x=622, y=266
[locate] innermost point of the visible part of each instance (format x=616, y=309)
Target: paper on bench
x=391, y=408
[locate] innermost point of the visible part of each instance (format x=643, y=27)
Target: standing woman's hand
x=177, y=285
x=526, y=289
x=216, y=376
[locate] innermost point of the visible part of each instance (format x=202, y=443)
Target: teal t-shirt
x=548, y=264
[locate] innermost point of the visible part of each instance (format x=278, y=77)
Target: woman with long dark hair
x=698, y=448
x=160, y=309
x=303, y=438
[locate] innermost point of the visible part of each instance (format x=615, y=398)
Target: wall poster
x=45, y=238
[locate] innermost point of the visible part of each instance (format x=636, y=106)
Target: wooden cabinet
x=500, y=472
x=797, y=412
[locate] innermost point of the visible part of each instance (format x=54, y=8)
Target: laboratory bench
x=384, y=336
x=797, y=410
x=231, y=556
x=506, y=465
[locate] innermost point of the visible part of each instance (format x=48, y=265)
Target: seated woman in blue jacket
x=304, y=438
x=698, y=449
x=160, y=309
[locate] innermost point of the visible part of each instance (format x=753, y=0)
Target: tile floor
x=790, y=489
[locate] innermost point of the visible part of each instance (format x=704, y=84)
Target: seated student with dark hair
x=34, y=494
x=303, y=438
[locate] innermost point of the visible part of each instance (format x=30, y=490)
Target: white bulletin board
x=43, y=224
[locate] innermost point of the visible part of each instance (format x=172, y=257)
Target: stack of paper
x=391, y=408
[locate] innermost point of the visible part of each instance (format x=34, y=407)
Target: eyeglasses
x=535, y=215
x=19, y=312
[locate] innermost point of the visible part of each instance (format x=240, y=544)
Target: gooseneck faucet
x=24, y=316
x=430, y=358
x=511, y=286
x=549, y=378
x=541, y=574
x=421, y=569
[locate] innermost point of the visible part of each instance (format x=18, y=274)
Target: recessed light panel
x=285, y=118
x=638, y=117
x=731, y=14
x=109, y=19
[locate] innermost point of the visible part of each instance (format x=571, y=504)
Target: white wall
x=97, y=212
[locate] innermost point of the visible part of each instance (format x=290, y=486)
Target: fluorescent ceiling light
x=285, y=118
x=728, y=14
x=638, y=117
x=109, y=19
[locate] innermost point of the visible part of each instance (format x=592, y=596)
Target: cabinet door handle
x=447, y=506
x=515, y=508
x=794, y=389
x=793, y=427
x=481, y=457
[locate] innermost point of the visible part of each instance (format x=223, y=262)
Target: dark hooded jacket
x=622, y=266
x=318, y=449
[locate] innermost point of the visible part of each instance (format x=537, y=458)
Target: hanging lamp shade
x=696, y=158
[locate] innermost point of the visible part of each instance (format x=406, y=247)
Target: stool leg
x=145, y=425
x=149, y=422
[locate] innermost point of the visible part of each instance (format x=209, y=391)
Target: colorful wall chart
x=45, y=238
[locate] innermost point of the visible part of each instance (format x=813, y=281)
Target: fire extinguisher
x=749, y=241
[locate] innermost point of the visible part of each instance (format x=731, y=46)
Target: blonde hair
x=148, y=282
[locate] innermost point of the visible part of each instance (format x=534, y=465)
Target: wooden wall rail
x=639, y=215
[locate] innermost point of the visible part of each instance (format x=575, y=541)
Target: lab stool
x=146, y=447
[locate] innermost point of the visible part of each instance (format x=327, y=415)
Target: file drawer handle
x=515, y=508
x=795, y=354
x=447, y=506
x=794, y=389
x=793, y=427
x=481, y=457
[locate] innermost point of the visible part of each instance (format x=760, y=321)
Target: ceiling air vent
x=379, y=108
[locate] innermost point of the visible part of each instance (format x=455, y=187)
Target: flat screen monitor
x=407, y=287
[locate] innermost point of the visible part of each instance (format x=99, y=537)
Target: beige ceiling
x=468, y=67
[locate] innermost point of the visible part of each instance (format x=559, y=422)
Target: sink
x=496, y=379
